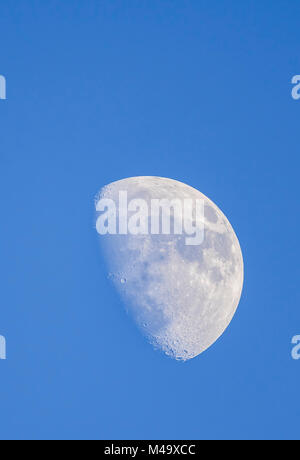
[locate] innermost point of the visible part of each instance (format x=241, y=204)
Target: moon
x=182, y=297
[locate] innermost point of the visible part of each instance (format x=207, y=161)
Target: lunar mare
x=181, y=297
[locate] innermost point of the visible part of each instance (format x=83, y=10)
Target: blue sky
x=198, y=91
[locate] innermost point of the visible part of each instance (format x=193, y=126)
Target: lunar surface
x=182, y=297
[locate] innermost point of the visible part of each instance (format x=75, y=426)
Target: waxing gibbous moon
x=182, y=297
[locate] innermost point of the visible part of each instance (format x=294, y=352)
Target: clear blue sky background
x=198, y=91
